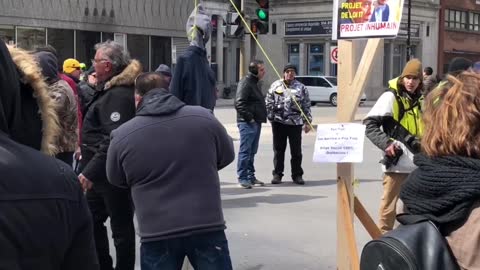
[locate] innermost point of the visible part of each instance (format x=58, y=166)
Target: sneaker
x=245, y=185
x=277, y=179
x=298, y=180
x=256, y=182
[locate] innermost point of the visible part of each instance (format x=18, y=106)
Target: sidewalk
x=221, y=102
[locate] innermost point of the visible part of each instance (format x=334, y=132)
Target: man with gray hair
x=112, y=105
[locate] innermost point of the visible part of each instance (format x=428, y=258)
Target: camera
x=389, y=161
x=412, y=143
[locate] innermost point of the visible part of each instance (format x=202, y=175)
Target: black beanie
x=290, y=66
x=459, y=64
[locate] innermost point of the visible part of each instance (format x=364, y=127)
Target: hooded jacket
x=169, y=155
x=44, y=217
x=64, y=101
x=111, y=106
x=194, y=81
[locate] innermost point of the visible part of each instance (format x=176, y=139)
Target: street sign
x=334, y=54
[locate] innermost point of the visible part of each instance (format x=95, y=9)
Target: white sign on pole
x=339, y=143
x=334, y=54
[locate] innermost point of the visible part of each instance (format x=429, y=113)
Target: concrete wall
x=147, y=17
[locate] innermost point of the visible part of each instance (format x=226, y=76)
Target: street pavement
x=284, y=227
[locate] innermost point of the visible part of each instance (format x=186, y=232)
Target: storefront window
x=162, y=52
x=7, y=34
x=294, y=55
x=398, y=59
x=30, y=38
x=107, y=36
x=316, y=59
x=86, y=41
x=138, y=47
x=62, y=41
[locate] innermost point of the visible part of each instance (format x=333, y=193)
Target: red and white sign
x=334, y=54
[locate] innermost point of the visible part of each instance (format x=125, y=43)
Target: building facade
x=300, y=33
x=153, y=31
x=460, y=31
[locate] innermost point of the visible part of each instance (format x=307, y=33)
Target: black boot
x=277, y=179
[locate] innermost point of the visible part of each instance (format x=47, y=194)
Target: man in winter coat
x=286, y=100
x=176, y=194
x=112, y=105
x=44, y=216
x=194, y=81
x=394, y=125
x=251, y=113
x=65, y=106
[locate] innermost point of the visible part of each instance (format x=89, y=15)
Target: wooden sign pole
x=351, y=84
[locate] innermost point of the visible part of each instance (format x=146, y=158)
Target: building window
x=161, y=52
x=294, y=55
x=29, y=38
x=138, y=47
x=107, y=36
x=456, y=19
x=7, y=34
x=62, y=41
x=85, y=47
x=474, y=22
x=316, y=59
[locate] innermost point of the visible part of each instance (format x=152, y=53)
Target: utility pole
x=241, y=69
x=409, y=18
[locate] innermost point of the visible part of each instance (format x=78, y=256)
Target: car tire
x=313, y=103
x=333, y=99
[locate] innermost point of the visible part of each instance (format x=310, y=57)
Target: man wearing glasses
x=112, y=105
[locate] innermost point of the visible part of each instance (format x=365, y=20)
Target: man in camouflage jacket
x=286, y=99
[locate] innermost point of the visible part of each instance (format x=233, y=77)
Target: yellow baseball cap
x=70, y=65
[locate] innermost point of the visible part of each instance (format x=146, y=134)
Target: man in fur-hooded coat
x=44, y=216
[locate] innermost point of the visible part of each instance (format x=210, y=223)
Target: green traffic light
x=262, y=14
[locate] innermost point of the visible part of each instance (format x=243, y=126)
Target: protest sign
x=366, y=18
x=339, y=143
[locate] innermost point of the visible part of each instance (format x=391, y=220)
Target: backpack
x=416, y=244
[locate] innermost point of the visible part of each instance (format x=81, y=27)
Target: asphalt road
x=286, y=226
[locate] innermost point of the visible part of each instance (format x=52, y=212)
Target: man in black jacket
x=112, y=105
x=251, y=113
x=169, y=155
x=44, y=218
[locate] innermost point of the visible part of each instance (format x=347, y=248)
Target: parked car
x=322, y=88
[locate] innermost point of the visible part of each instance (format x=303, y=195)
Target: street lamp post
x=408, y=29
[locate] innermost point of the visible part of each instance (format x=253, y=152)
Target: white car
x=322, y=88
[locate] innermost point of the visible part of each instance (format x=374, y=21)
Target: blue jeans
x=249, y=137
x=206, y=251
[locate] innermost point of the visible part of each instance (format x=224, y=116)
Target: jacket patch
x=115, y=116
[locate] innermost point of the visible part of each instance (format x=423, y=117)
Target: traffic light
x=262, y=21
x=234, y=25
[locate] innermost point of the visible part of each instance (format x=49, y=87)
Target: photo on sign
x=354, y=19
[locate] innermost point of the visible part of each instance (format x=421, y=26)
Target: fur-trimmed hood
x=127, y=76
x=30, y=74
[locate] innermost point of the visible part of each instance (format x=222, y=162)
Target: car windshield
x=332, y=80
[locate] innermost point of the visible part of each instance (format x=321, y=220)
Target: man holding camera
x=394, y=125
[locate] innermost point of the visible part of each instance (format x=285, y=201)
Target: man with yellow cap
x=394, y=125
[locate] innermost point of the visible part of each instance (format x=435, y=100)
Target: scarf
x=442, y=189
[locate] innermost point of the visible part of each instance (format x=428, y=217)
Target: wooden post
x=351, y=83
x=366, y=220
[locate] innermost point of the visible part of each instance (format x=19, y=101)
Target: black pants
x=106, y=201
x=281, y=133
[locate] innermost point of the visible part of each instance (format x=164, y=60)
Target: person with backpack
x=394, y=125
x=445, y=187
